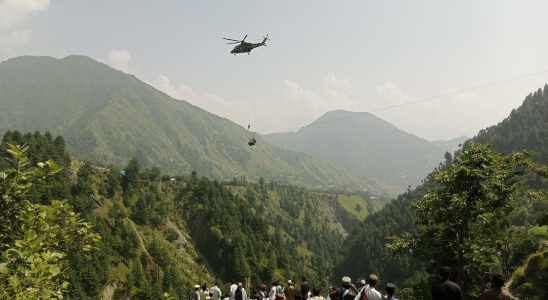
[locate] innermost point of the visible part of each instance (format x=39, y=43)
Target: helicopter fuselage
x=245, y=48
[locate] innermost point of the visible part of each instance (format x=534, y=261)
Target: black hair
x=390, y=290
x=227, y=295
x=204, y=287
x=372, y=282
x=444, y=272
x=346, y=285
x=233, y=281
x=216, y=283
x=498, y=280
x=316, y=291
x=303, y=278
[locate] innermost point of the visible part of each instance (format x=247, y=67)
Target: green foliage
x=35, y=239
x=463, y=221
x=530, y=280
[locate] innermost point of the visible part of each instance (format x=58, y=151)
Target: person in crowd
x=446, y=289
x=195, y=295
x=227, y=296
x=390, y=290
x=305, y=288
x=279, y=291
x=204, y=294
x=289, y=291
x=330, y=290
x=369, y=290
x=496, y=292
x=345, y=291
x=215, y=291
x=272, y=293
x=239, y=293
x=262, y=292
x=316, y=294
x=363, y=284
x=233, y=287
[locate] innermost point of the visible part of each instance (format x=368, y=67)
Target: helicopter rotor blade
x=233, y=43
x=231, y=40
x=244, y=38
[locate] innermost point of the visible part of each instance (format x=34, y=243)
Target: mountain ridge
x=109, y=116
x=366, y=144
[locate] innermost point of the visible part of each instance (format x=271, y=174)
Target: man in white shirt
x=216, y=292
x=272, y=294
x=370, y=292
x=195, y=295
x=233, y=288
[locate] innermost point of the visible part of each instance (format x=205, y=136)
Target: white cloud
x=10, y=41
x=13, y=12
x=17, y=11
x=119, y=59
x=339, y=84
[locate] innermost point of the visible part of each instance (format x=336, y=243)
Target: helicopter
x=245, y=47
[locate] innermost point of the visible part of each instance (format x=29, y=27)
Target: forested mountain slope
x=162, y=235
x=525, y=128
x=364, y=250
x=365, y=144
x=108, y=116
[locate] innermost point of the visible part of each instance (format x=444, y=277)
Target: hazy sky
x=323, y=55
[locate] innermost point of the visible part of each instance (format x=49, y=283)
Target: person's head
x=273, y=283
x=303, y=279
x=362, y=283
x=390, y=289
x=497, y=280
x=263, y=287
x=210, y=293
x=289, y=283
x=227, y=295
x=216, y=283
x=204, y=286
x=240, y=285
x=444, y=272
x=346, y=281
x=316, y=291
x=373, y=280
x=196, y=287
x=233, y=281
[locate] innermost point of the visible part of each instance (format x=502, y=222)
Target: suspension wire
x=420, y=100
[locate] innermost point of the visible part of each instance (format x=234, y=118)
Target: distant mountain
x=106, y=115
x=451, y=145
x=365, y=144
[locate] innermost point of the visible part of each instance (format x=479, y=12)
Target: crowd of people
x=444, y=289
x=347, y=291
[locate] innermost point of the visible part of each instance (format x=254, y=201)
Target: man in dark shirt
x=304, y=288
x=496, y=292
x=445, y=289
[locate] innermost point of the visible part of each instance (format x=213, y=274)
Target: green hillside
x=108, y=116
x=365, y=144
x=526, y=127
x=162, y=235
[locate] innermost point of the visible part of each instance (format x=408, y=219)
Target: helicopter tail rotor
x=265, y=38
